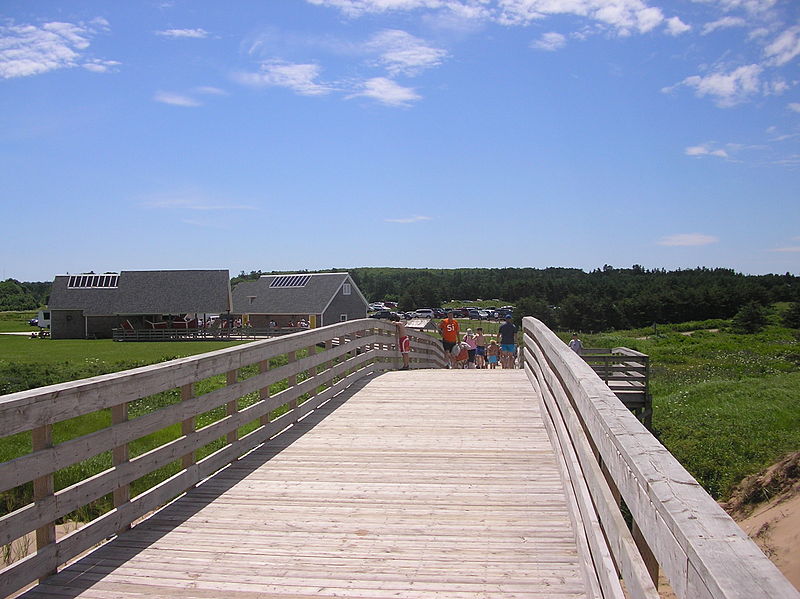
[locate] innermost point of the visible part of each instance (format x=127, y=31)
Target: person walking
x=508, y=342
x=480, y=349
x=472, y=345
x=493, y=354
x=575, y=344
x=403, y=342
x=449, y=330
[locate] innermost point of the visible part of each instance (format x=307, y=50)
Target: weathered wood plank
x=425, y=484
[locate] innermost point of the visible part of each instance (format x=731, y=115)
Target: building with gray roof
x=319, y=298
x=92, y=305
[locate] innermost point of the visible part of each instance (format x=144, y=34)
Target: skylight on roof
x=107, y=281
x=290, y=281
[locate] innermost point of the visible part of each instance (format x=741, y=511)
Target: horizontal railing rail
x=608, y=456
x=207, y=410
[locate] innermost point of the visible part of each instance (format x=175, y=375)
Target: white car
x=424, y=313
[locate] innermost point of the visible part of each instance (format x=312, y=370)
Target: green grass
x=725, y=405
x=16, y=321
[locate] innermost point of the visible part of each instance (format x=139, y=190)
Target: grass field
x=16, y=321
x=725, y=405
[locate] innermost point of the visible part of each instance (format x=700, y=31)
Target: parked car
x=424, y=313
x=474, y=314
x=382, y=314
x=34, y=322
x=439, y=313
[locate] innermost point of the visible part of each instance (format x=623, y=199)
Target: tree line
x=572, y=299
x=563, y=298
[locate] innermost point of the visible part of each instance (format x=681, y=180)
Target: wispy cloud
x=404, y=54
x=27, y=50
x=784, y=48
x=550, y=42
x=193, y=202
x=300, y=78
x=728, y=89
x=409, y=220
x=723, y=23
x=705, y=150
x=174, y=99
x=687, y=239
x=387, y=92
x=794, y=106
x=183, y=33
x=789, y=249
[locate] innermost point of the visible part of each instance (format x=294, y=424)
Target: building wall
x=352, y=305
x=100, y=327
x=67, y=324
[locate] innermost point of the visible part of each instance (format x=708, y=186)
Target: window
x=342, y=317
x=251, y=298
x=346, y=289
x=290, y=281
x=106, y=281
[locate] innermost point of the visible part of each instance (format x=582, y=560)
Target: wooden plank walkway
x=419, y=484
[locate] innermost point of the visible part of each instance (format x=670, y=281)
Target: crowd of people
x=475, y=349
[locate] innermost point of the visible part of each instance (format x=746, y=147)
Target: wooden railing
x=627, y=373
x=211, y=334
x=608, y=456
x=212, y=408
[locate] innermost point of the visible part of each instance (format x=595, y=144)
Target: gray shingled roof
x=149, y=292
x=312, y=298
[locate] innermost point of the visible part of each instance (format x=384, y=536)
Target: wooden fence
x=627, y=373
x=609, y=456
x=228, y=389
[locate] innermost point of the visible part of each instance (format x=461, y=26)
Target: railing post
x=187, y=425
x=291, y=358
x=44, y=487
x=649, y=559
x=119, y=456
x=232, y=406
x=263, y=393
x=312, y=372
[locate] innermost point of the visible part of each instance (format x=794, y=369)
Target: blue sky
x=312, y=134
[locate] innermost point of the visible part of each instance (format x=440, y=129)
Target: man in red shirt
x=450, y=336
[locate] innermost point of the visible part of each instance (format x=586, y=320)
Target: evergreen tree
x=791, y=318
x=752, y=318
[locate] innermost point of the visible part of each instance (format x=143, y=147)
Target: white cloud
x=183, y=33
x=677, y=27
x=784, y=48
x=794, y=106
x=210, y=91
x=175, y=99
x=355, y=8
x=687, y=239
x=723, y=23
x=705, y=150
x=624, y=16
x=788, y=249
x=27, y=50
x=191, y=201
x=403, y=54
x=387, y=92
x=550, y=42
x=300, y=78
x=406, y=221
x=728, y=89
x=101, y=66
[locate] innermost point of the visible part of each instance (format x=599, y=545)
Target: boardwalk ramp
x=420, y=484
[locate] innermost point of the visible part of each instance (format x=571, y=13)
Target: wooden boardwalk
x=421, y=484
